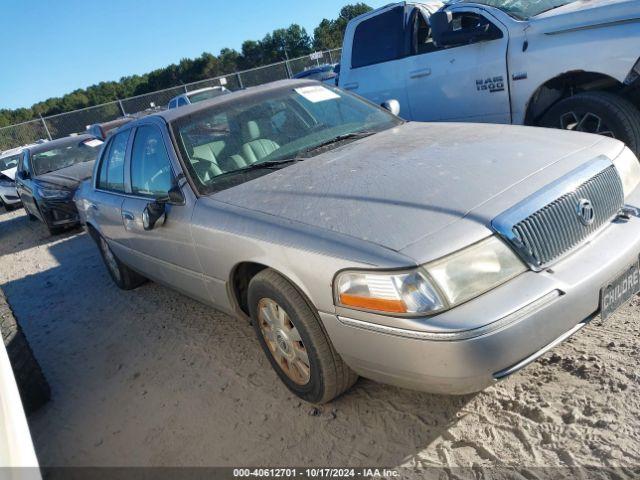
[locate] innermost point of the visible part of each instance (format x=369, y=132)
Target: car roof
x=60, y=142
x=174, y=113
x=200, y=90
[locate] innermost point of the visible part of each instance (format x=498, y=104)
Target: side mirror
x=175, y=196
x=153, y=213
x=157, y=211
x=392, y=105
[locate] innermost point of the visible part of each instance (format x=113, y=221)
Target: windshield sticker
x=316, y=94
x=93, y=143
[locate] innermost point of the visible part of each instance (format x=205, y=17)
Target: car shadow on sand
x=150, y=377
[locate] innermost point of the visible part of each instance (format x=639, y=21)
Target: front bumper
x=520, y=320
x=58, y=213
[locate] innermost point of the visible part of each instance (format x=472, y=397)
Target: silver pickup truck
x=440, y=257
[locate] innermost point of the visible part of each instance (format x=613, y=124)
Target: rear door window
x=379, y=39
x=111, y=174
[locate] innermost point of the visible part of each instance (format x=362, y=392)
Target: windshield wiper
x=268, y=165
x=340, y=138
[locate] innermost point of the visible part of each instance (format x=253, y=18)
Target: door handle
x=351, y=86
x=128, y=216
x=425, y=72
x=93, y=206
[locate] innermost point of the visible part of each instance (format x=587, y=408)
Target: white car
x=196, y=96
x=8, y=163
x=556, y=63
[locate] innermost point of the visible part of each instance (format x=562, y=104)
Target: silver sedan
x=440, y=257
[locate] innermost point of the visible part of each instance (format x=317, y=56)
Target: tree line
x=283, y=43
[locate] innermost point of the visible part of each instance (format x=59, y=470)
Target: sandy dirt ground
x=150, y=377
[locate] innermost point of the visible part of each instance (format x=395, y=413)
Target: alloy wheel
x=586, y=122
x=284, y=341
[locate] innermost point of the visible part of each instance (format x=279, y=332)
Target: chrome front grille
x=553, y=222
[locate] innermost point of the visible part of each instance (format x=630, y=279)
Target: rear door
x=377, y=58
x=105, y=206
x=459, y=83
x=166, y=253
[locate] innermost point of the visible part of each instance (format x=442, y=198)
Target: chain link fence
x=64, y=124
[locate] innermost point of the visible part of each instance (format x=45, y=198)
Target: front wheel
x=122, y=276
x=602, y=113
x=291, y=335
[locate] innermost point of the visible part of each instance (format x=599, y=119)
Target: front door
x=459, y=83
x=166, y=253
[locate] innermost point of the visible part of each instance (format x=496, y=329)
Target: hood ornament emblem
x=586, y=213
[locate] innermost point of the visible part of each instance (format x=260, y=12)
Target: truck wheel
x=33, y=387
x=292, y=337
x=603, y=113
x=122, y=276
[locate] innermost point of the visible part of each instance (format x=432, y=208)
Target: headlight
x=400, y=292
x=54, y=193
x=629, y=170
x=475, y=270
x=434, y=287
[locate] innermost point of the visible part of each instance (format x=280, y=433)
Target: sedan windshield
x=62, y=157
x=237, y=140
x=524, y=9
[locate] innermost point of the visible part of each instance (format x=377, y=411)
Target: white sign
x=223, y=81
x=317, y=93
x=316, y=56
x=93, y=143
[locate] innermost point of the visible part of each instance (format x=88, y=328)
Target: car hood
x=586, y=13
x=69, y=177
x=405, y=184
x=10, y=173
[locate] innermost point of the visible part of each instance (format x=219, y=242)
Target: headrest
x=440, y=22
x=253, y=130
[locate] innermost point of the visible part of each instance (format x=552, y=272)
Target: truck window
x=379, y=39
x=422, y=40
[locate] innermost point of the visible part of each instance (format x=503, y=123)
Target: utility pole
x=46, y=129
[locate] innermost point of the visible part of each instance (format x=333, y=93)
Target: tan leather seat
x=257, y=148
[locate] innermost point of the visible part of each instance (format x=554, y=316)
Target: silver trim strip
x=458, y=335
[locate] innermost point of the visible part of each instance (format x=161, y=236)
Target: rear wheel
x=292, y=337
x=122, y=276
x=602, y=113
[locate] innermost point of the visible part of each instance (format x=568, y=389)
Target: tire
x=33, y=386
x=328, y=376
x=9, y=208
x=603, y=113
x=122, y=276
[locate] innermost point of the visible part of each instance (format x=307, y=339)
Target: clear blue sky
x=51, y=47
